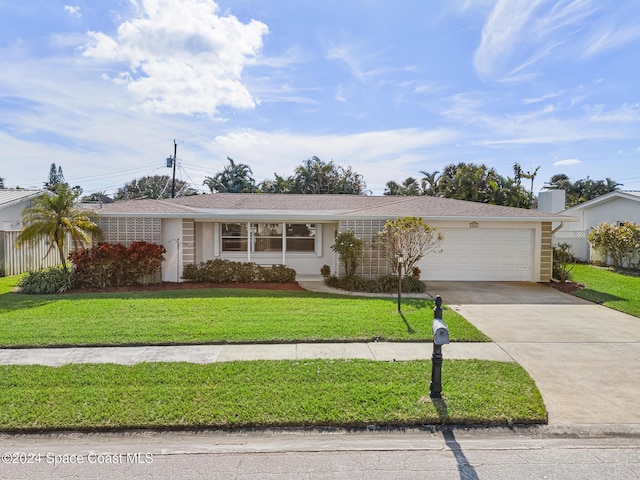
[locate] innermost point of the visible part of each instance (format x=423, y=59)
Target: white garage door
x=482, y=254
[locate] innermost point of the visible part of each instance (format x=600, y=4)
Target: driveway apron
x=585, y=358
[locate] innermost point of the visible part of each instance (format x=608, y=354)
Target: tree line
x=462, y=181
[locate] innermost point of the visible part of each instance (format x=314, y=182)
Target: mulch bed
x=567, y=287
x=190, y=285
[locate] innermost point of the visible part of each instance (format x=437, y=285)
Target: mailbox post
x=440, y=337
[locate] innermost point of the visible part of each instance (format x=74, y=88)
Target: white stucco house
x=12, y=259
x=616, y=208
x=481, y=242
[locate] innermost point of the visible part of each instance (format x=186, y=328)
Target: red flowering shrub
x=145, y=260
x=113, y=264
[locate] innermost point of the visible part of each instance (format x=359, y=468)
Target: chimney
x=552, y=200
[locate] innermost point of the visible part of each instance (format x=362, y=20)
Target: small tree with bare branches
x=411, y=237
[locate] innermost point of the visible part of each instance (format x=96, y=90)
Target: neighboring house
x=481, y=242
x=15, y=260
x=615, y=208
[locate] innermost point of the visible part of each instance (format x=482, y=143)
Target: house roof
x=9, y=198
x=633, y=196
x=254, y=206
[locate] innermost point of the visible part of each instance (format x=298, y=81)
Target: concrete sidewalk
x=380, y=351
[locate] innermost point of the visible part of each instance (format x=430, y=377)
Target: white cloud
x=614, y=37
x=73, y=10
x=568, y=161
x=181, y=56
x=520, y=33
x=502, y=32
x=625, y=114
x=542, y=98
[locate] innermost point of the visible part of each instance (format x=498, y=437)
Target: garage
x=482, y=254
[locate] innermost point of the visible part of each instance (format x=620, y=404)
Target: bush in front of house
x=114, y=264
x=562, y=262
x=384, y=284
x=51, y=280
x=227, y=271
x=278, y=274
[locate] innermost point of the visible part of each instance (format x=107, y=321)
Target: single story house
x=12, y=202
x=617, y=207
x=481, y=242
x=15, y=260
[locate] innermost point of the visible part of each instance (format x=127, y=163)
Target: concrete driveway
x=585, y=358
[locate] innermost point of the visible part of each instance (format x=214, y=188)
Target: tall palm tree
x=235, y=178
x=56, y=217
x=430, y=182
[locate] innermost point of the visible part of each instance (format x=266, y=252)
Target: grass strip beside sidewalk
x=346, y=393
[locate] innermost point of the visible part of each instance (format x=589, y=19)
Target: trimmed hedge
x=384, y=284
x=226, y=271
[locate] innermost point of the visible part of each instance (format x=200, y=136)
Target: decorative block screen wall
x=546, y=253
x=127, y=230
x=188, y=242
x=374, y=263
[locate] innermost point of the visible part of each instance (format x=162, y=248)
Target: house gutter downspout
x=557, y=228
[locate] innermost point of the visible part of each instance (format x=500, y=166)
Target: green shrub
x=350, y=248
x=384, y=284
x=278, y=274
x=226, y=271
x=562, y=262
x=51, y=280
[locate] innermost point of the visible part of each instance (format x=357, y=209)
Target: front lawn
x=264, y=393
x=614, y=290
x=214, y=316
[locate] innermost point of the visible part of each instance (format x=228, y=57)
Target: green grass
x=213, y=316
x=614, y=290
x=264, y=393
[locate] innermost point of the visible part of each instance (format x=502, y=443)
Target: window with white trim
x=269, y=237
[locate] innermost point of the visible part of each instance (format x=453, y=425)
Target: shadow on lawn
x=12, y=301
x=596, y=296
x=409, y=328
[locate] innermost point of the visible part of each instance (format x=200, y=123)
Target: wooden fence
x=28, y=257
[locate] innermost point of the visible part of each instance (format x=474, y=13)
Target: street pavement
x=451, y=454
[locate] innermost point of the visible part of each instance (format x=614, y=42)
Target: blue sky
x=388, y=88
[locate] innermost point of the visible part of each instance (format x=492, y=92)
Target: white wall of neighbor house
x=614, y=211
x=576, y=234
x=11, y=217
x=173, y=241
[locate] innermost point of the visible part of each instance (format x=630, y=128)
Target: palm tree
x=235, y=178
x=430, y=182
x=55, y=217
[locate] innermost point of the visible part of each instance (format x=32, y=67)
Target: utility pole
x=175, y=159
